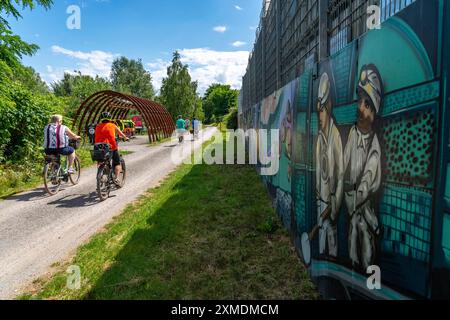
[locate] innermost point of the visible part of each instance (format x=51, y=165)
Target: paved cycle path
x=37, y=231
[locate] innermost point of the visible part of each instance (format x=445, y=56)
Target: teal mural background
x=411, y=53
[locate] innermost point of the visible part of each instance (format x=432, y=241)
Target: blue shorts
x=63, y=151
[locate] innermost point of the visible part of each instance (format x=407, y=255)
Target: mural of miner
x=329, y=171
x=362, y=161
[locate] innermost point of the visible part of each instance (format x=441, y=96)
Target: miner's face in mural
x=369, y=97
x=362, y=161
x=366, y=111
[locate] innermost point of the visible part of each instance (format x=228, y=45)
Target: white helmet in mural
x=324, y=89
x=370, y=82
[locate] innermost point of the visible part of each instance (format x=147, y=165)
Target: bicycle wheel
x=103, y=186
x=75, y=177
x=52, y=181
x=122, y=177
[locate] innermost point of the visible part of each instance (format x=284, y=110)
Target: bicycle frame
x=62, y=176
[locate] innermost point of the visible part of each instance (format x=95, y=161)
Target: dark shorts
x=116, y=158
x=63, y=151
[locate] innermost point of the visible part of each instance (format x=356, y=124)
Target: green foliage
x=8, y=7
x=19, y=177
x=23, y=115
x=31, y=80
x=5, y=72
x=178, y=91
x=199, y=114
x=218, y=101
x=12, y=47
x=269, y=225
x=130, y=77
x=231, y=119
x=76, y=88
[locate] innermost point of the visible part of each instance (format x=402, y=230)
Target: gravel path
x=37, y=231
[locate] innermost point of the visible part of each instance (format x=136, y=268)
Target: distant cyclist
x=195, y=127
x=56, y=140
x=187, y=125
x=181, y=127
x=107, y=132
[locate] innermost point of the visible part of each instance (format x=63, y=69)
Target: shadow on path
x=37, y=194
x=76, y=201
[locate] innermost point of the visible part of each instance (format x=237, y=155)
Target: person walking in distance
x=181, y=127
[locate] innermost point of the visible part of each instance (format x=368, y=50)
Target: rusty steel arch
x=158, y=120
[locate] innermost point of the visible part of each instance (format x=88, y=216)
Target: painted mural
x=364, y=157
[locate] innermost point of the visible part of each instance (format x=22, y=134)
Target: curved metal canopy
x=159, y=122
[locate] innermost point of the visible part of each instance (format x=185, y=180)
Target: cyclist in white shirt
x=56, y=140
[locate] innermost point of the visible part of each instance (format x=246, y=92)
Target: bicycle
x=55, y=174
x=181, y=136
x=105, y=173
x=195, y=134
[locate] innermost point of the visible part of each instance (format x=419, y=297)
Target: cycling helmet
x=106, y=115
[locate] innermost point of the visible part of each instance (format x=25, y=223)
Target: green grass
x=18, y=178
x=208, y=232
x=156, y=143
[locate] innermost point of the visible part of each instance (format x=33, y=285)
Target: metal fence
x=295, y=33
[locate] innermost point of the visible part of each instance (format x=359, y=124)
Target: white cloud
x=253, y=27
x=158, y=70
x=220, y=29
x=207, y=67
x=238, y=44
x=53, y=74
x=90, y=63
x=238, y=7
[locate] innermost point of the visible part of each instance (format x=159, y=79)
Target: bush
x=23, y=116
x=231, y=119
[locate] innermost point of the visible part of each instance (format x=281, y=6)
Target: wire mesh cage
x=288, y=38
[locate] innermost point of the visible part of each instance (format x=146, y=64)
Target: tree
x=231, y=119
x=64, y=87
x=130, y=77
x=178, y=91
x=218, y=101
x=199, y=113
x=77, y=88
x=31, y=80
x=23, y=115
x=12, y=47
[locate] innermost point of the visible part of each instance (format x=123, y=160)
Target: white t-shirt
x=55, y=137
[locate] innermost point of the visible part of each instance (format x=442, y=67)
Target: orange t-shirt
x=106, y=133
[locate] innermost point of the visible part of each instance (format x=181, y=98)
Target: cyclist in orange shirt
x=106, y=132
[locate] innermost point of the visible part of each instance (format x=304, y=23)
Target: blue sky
x=213, y=36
